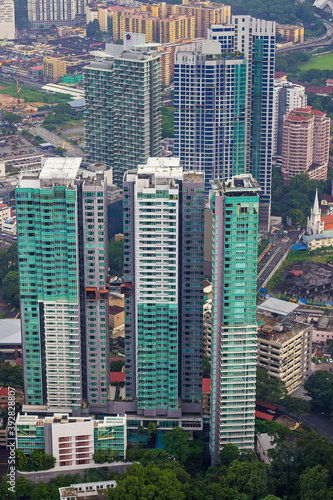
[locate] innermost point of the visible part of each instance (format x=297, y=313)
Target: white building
x=315, y=225
x=287, y=96
x=71, y=440
x=7, y=20
x=51, y=12
x=76, y=491
x=264, y=443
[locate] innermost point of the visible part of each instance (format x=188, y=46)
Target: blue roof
x=299, y=246
x=321, y=236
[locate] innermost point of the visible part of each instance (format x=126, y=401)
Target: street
x=274, y=255
x=319, y=423
x=72, y=151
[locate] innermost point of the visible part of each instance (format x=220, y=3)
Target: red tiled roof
x=319, y=90
x=328, y=222
x=37, y=67
x=317, y=112
x=263, y=416
x=329, y=80
x=280, y=74
x=4, y=391
x=206, y=385
x=296, y=273
x=117, y=377
x=265, y=404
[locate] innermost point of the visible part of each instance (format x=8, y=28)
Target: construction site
x=307, y=280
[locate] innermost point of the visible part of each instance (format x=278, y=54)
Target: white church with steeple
x=315, y=225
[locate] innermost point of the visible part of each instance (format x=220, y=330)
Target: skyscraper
x=61, y=219
x=235, y=209
x=210, y=97
x=7, y=20
x=47, y=13
x=255, y=38
x=163, y=278
x=287, y=96
x=123, y=112
x=306, y=139
x=253, y=109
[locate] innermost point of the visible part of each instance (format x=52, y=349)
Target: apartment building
x=306, y=137
x=47, y=13
x=123, y=118
x=291, y=32
x=235, y=212
x=53, y=69
x=62, y=252
x=7, y=20
x=287, y=97
x=163, y=276
x=71, y=440
x=284, y=343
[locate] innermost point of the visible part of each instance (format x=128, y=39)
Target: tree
x=92, y=28
x=269, y=388
x=320, y=387
x=151, y=429
x=228, y=454
x=250, y=478
x=141, y=432
x=10, y=285
x=177, y=444
x=11, y=118
x=143, y=483
x=116, y=251
x=296, y=405
x=313, y=484
x=59, y=151
x=5, y=493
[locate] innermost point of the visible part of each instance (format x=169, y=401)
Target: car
x=3, y=235
x=14, y=238
x=331, y=370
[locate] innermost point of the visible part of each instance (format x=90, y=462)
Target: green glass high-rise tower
x=235, y=211
x=123, y=110
x=62, y=251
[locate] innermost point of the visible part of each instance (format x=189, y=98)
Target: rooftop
x=290, y=328
x=277, y=306
x=10, y=332
x=60, y=168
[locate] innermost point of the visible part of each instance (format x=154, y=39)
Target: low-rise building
x=284, y=343
x=72, y=441
x=83, y=490
x=263, y=444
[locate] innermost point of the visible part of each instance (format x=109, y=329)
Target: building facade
x=53, y=69
x=163, y=275
x=306, y=137
x=210, y=98
x=72, y=441
x=287, y=97
x=284, y=348
x=123, y=111
x=7, y=20
x=62, y=248
x=235, y=209
x=255, y=38
x=47, y=13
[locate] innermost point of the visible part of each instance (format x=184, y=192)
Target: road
x=72, y=151
x=273, y=257
x=318, y=42
x=319, y=423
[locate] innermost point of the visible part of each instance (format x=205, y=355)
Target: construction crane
x=18, y=91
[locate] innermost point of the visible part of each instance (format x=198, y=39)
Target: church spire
x=316, y=209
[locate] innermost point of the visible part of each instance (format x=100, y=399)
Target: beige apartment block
x=53, y=69
x=284, y=344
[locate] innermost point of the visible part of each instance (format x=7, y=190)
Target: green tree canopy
x=10, y=285
x=11, y=118
x=176, y=443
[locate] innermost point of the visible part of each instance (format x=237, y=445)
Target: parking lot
x=15, y=145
